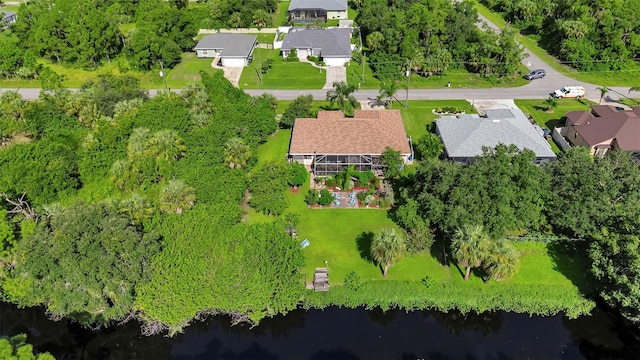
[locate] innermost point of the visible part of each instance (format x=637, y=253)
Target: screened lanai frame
x=330, y=164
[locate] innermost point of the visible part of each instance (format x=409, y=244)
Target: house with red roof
x=332, y=142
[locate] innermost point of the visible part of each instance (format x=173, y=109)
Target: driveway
x=335, y=74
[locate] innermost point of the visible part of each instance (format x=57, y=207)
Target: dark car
x=536, y=74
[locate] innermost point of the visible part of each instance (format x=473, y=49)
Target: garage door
x=226, y=62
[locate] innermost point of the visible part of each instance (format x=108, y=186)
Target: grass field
x=419, y=113
x=459, y=78
x=188, y=70
x=283, y=75
x=609, y=78
x=551, y=120
x=280, y=17
x=341, y=238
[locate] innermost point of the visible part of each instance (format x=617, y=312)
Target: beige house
x=604, y=127
x=332, y=143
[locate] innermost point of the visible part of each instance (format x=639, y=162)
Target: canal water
x=342, y=334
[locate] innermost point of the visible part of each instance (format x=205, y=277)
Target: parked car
x=569, y=92
x=536, y=74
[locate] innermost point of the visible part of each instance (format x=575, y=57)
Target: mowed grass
x=341, y=237
x=420, y=113
x=188, y=71
x=554, y=119
x=280, y=17
x=282, y=75
x=459, y=78
x=625, y=77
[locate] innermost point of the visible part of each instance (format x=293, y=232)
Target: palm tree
x=634, y=88
x=386, y=248
x=166, y=145
x=137, y=207
x=138, y=139
x=235, y=21
x=388, y=90
x=470, y=246
x=375, y=40
x=261, y=18
x=603, y=91
x=236, y=153
x=341, y=95
x=502, y=260
x=176, y=196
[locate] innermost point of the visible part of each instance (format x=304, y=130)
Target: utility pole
x=406, y=98
x=364, y=59
x=162, y=75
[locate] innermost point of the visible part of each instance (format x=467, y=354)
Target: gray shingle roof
x=7, y=14
x=232, y=45
x=464, y=137
x=334, y=42
x=329, y=5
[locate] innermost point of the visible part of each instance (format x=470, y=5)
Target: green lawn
x=550, y=120
x=419, y=113
x=341, y=237
x=352, y=14
x=188, y=71
x=283, y=75
x=13, y=8
x=609, y=78
x=280, y=17
x=354, y=76
x=459, y=78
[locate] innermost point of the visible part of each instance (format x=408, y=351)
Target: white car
x=569, y=92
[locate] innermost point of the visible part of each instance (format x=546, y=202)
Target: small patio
x=345, y=199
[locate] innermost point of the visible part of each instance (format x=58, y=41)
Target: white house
x=333, y=46
x=8, y=17
x=234, y=50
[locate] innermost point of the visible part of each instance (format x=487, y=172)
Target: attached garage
x=333, y=46
x=234, y=50
x=234, y=62
x=337, y=61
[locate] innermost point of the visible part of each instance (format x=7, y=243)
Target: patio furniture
x=336, y=202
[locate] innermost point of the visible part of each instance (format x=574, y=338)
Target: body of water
x=342, y=334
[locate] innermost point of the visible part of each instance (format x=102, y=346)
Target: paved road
x=536, y=89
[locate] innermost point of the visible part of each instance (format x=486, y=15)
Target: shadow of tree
x=571, y=259
x=363, y=244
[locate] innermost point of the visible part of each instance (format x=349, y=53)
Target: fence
x=560, y=140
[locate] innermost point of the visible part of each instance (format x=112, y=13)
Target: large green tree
x=83, y=263
x=616, y=265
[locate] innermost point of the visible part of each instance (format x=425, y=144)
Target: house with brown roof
x=604, y=127
x=332, y=142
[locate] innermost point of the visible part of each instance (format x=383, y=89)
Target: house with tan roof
x=605, y=127
x=332, y=142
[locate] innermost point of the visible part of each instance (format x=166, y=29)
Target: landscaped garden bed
x=350, y=189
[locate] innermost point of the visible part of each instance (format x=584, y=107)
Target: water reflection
x=342, y=334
